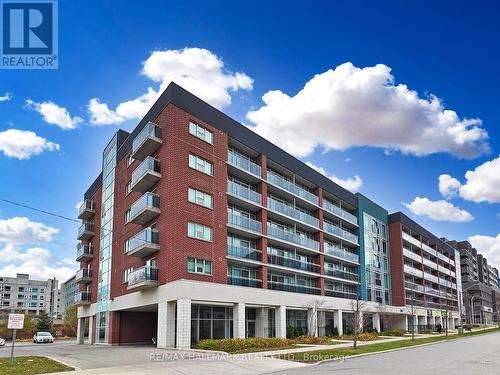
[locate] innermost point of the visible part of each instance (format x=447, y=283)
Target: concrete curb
x=75, y=368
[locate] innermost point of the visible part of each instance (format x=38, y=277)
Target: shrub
x=426, y=331
x=394, y=332
x=244, y=345
x=468, y=327
x=311, y=340
x=362, y=336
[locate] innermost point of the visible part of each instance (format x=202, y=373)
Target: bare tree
x=359, y=321
x=312, y=315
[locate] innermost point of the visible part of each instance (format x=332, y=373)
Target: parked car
x=2, y=341
x=41, y=337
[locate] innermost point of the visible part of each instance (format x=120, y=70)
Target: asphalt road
x=473, y=355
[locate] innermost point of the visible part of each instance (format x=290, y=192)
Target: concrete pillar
x=280, y=316
x=80, y=331
x=431, y=321
x=407, y=323
x=312, y=322
x=337, y=317
x=183, y=331
x=239, y=321
x=321, y=323
x=165, y=336
x=92, y=330
x=376, y=322
x=261, y=324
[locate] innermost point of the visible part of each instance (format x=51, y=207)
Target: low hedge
x=362, y=336
x=394, y=332
x=311, y=340
x=244, y=345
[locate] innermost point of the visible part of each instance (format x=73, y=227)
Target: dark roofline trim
x=401, y=217
x=176, y=95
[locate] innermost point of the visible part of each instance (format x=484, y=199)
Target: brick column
x=165, y=337
x=239, y=327
x=280, y=321
x=114, y=328
x=183, y=332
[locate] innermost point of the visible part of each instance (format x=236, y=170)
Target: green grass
x=27, y=365
x=321, y=355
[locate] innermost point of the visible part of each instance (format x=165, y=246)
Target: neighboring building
x=423, y=273
x=21, y=294
x=69, y=292
x=480, y=291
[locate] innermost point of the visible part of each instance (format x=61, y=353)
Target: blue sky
x=448, y=49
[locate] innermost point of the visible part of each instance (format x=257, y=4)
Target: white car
x=41, y=337
x=2, y=341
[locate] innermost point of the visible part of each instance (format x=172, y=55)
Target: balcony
x=284, y=235
x=444, y=258
x=243, y=163
x=244, y=252
x=84, y=252
x=86, y=231
x=244, y=223
x=83, y=276
x=413, y=286
x=278, y=181
x=283, y=209
x=431, y=277
x=244, y=193
x=146, y=175
x=339, y=212
x=86, y=210
x=142, y=278
x=432, y=291
x=293, y=263
x=83, y=298
x=337, y=252
x=244, y=281
x=410, y=254
x=429, y=249
x=430, y=263
x=413, y=271
x=340, y=294
x=445, y=271
x=411, y=239
x=145, y=209
x=294, y=288
x=146, y=142
x=143, y=244
x=340, y=233
x=341, y=274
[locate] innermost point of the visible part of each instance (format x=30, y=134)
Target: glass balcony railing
x=244, y=252
x=338, y=252
x=147, y=200
x=429, y=249
x=86, y=231
x=83, y=275
x=336, y=210
x=83, y=297
x=432, y=291
x=292, y=237
x=339, y=232
x=243, y=163
x=289, y=186
x=148, y=165
x=341, y=274
x=340, y=293
x=150, y=131
x=148, y=238
x=430, y=277
x=244, y=222
x=410, y=254
x=86, y=210
x=84, y=252
x=143, y=275
x=411, y=239
x=295, y=288
x=413, y=286
x=413, y=271
x=244, y=192
x=292, y=263
x=287, y=210
x=244, y=281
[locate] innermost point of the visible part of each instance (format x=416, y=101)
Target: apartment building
x=199, y=228
x=479, y=284
x=424, y=274
x=21, y=294
x=68, y=293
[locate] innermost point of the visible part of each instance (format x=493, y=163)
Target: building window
x=128, y=189
x=200, y=164
x=129, y=160
x=199, y=231
x=126, y=272
x=200, y=132
x=127, y=216
x=199, y=197
x=200, y=266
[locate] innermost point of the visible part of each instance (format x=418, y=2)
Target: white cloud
x=448, y=186
x=353, y=184
x=6, y=97
x=22, y=144
x=37, y=262
x=482, y=183
x=488, y=246
x=21, y=230
x=54, y=114
x=77, y=206
x=438, y=210
x=350, y=106
x=197, y=70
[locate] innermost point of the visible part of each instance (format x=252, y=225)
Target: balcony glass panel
x=338, y=252
x=244, y=192
x=336, y=210
x=293, y=288
x=149, y=130
x=244, y=281
x=292, y=263
x=146, y=236
x=143, y=274
x=244, y=222
x=339, y=232
x=149, y=164
x=244, y=252
x=341, y=274
x=243, y=163
x=292, y=237
x=284, y=209
x=289, y=186
x=150, y=200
